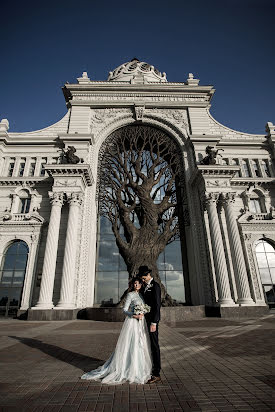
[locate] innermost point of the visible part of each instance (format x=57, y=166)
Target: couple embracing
x=136, y=358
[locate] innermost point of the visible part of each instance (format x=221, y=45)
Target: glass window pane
x=173, y=260
x=162, y=276
x=272, y=272
x=9, y=262
x=105, y=226
x=261, y=258
x=175, y=285
x=121, y=264
x=265, y=276
x=268, y=247
x=123, y=282
x=271, y=259
x=12, y=249
x=160, y=261
x=20, y=262
x=22, y=248
x=14, y=296
x=4, y=296
x=18, y=278
x=107, y=288
x=260, y=246
x=108, y=256
x=269, y=292
x=6, y=277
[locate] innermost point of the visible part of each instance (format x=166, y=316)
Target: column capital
x=75, y=198
x=211, y=198
x=228, y=198
x=56, y=198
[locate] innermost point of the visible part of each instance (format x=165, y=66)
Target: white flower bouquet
x=141, y=309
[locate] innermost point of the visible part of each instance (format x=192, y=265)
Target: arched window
x=265, y=253
x=257, y=203
x=24, y=201
x=12, y=276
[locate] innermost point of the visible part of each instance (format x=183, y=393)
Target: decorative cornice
x=28, y=181
x=246, y=181
x=214, y=175
x=70, y=170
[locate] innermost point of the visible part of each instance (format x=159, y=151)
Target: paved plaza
x=207, y=365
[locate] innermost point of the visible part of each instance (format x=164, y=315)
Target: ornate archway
x=141, y=193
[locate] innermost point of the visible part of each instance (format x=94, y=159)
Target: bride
x=131, y=361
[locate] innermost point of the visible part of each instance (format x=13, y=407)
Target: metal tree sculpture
x=137, y=193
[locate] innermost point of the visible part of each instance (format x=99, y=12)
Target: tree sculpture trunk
x=138, y=195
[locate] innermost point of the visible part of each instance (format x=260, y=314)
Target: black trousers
x=154, y=338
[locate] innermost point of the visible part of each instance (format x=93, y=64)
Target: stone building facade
x=49, y=224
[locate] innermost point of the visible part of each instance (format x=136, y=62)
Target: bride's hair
x=132, y=282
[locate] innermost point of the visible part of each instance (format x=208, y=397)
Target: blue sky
x=227, y=43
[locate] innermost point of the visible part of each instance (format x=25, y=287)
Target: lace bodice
x=132, y=300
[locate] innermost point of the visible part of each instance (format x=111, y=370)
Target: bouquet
x=141, y=309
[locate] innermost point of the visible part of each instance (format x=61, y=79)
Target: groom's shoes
x=154, y=379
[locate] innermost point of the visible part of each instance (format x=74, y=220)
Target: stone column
x=218, y=250
x=48, y=272
x=244, y=296
x=68, y=274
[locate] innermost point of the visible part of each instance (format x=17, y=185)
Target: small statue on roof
x=211, y=155
x=70, y=156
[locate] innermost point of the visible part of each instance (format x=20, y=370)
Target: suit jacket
x=152, y=297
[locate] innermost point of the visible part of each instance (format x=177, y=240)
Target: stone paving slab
x=207, y=365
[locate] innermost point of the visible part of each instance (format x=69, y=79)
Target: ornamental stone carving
x=139, y=112
x=56, y=198
x=101, y=117
x=175, y=116
x=75, y=198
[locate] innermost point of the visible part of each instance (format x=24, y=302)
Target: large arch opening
x=12, y=275
x=140, y=220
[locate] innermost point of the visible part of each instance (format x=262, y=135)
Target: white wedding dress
x=131, y=361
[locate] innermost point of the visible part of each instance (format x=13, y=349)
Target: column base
x=61, y=305
x=39, y=306
x=226, y=302
x=246, y=302
x=52, y=315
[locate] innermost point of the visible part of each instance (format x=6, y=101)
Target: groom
x=152, y=297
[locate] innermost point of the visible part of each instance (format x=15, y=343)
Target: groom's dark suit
x=152, y=297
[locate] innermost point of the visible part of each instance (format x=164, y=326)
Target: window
x=25, y=205
x=21, y=168
x=42, y=167
x=24, y=201
x=255, y=206
x=246, y=168
x=12, y=276
x=32, y=169
x=265, y=254
x=11, y=168
x=235, y=162
x=256, y=168
x=266, y=168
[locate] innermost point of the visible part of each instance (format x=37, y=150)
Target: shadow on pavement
x=83, y=362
